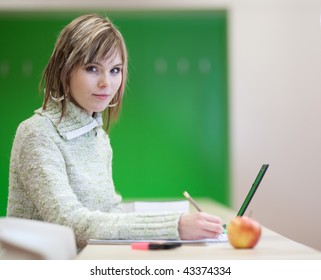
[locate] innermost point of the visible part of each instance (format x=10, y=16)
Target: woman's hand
x=199, y=225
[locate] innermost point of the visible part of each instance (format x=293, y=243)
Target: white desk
x=272, y=246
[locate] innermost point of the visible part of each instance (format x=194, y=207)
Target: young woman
x=61, y=161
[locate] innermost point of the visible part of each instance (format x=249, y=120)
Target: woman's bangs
x=103, y=49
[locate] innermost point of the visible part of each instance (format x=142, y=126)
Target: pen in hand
x=193, y=202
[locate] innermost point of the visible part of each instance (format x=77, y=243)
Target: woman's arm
x=42, y=172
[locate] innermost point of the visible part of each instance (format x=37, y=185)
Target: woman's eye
x=91, y=68
x=115, y=70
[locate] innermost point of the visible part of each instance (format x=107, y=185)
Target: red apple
x=243, y=232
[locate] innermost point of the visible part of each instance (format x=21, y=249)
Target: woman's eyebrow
x=118, y=64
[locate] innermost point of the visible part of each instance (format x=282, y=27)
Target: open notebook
x=181, y=206
x=219, y=239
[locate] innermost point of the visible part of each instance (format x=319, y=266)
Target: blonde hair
x=87, y=39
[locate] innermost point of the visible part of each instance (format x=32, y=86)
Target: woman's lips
x=101, y=96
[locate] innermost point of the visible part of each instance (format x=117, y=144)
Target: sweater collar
x=76, y=121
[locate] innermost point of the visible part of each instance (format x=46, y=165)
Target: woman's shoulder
x=31, y=133
x=36, y=125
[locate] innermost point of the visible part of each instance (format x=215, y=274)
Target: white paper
x=220, y=239
x=157, y=206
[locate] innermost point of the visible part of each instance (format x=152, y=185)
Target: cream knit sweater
x=61, y=172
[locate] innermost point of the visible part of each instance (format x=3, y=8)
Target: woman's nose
x=103, y=81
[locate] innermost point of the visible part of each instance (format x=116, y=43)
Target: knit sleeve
x=42, y=171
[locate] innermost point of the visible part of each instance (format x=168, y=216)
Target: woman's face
x=93, y=86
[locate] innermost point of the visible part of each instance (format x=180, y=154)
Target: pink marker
x=155, y=245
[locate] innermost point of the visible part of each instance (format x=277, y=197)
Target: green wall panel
x=172, y=134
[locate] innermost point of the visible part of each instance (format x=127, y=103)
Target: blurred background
x=216, y=88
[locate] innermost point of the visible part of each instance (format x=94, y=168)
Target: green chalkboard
x=172, y=134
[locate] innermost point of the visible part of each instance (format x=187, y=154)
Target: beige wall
x=275, y=101
x=276, y=113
